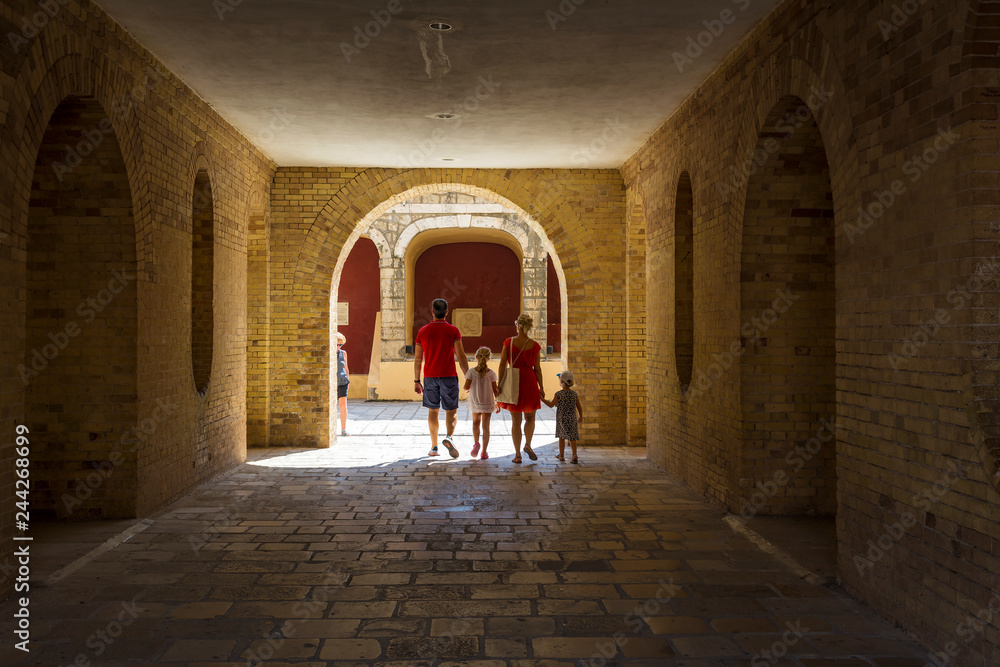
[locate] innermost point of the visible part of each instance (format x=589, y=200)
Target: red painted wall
x=471, y=275
x=360, y=286
x=553, y=313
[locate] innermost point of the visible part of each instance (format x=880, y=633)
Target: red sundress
x=528, y=398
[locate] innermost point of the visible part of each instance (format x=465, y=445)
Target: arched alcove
x=787, y=295
x=202, y=280
x=684, y=280
x=80, y=355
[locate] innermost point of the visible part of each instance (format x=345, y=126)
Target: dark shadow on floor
x=810, y=540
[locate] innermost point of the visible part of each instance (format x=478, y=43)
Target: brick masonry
x=115, y=419
x=906, y=131
x=316, y=213
x=903, y=96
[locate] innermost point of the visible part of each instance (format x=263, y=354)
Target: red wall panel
x=471, y=275
x=360, y=287
x=554, y=310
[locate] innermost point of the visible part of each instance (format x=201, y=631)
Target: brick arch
x=66, y=73
x=321, y=258
x=370, y=195
x=789, y=74
x=364, y=200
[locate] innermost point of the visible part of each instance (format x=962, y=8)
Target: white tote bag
x=511, y=385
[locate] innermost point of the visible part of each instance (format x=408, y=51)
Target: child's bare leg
x=572, y=444
x=476, y=416
x=562, y=449
x=486, y=429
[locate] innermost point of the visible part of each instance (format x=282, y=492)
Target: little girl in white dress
x=481, y=383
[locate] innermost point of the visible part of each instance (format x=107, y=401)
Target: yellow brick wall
x=314, y=213
x=80, y=377
x=787, y=302
x=910, y=406
x=635, y=299
x=165, y=133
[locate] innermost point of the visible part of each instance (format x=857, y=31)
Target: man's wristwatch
x=417, y=381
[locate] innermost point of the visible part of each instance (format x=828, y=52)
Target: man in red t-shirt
x=439, y=343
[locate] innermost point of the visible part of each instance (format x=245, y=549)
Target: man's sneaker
x=433, y=452
x=450, y=447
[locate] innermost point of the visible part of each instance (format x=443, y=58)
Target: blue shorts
x=441, y=392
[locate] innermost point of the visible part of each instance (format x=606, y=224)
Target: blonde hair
x=567, y=383
x=341, y=338
x=483, y=355
x=525, y=322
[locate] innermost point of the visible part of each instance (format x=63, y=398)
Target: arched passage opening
x=81, y=328
x=787, y=292
x=446, y=219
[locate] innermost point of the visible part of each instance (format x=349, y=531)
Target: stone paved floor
x=371, y=553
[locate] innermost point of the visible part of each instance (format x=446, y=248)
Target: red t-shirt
x=438, y=342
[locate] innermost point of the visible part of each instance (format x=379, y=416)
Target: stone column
x=534, y=298
x=393, y=300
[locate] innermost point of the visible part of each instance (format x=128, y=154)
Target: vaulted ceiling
x=529, y=83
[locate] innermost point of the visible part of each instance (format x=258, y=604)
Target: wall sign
x=469, y=321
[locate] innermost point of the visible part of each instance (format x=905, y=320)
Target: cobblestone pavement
x=371, y=553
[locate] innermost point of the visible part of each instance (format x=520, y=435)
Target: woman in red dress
x=524, y=355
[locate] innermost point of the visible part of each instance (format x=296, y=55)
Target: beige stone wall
x=152, y=436
x=316, y=213
x=908, y=123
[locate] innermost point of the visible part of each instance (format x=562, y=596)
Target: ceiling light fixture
x=440, y=26
x=445, y=116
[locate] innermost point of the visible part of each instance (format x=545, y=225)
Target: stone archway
x=402, y=231
x=450, y=216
